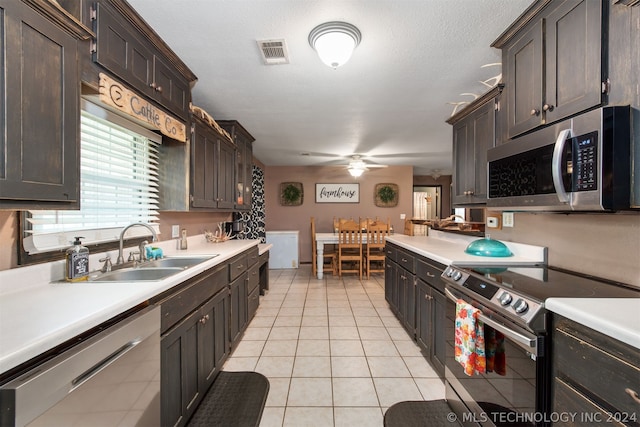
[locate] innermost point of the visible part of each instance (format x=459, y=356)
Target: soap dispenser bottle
x=77, y=262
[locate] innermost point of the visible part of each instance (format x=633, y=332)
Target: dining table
x=327, y=239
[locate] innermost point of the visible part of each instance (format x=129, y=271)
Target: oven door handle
x=528, y=343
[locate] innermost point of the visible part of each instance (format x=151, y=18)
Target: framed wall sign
x=337, y=193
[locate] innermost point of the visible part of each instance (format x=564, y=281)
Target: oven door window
x=507, y=393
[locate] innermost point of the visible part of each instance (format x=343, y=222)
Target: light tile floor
x=334, y=353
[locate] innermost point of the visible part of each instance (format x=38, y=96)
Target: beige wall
x=279, y=218
x=193, y=222
x=603, y=245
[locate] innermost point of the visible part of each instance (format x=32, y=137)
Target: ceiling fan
x=357, y=166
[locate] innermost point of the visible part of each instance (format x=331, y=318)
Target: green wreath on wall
x=386, y=195
x=291, y=194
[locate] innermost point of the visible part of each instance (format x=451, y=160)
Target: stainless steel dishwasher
x=111, y=379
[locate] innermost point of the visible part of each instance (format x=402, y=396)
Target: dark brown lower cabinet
x=594, y=376
x=415, y=293
x=407, y=300
x=238, y=312
x=431, y=306
x=179, y=372
x=391, y=284
x=192, y=354
x=202, y=321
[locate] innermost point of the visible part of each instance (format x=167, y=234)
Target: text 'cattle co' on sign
x=337, y=193
x=117, y=95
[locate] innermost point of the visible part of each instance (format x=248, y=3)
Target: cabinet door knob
x=153, y=85
x=547, y=107
x=159, y=89
x=535, y=112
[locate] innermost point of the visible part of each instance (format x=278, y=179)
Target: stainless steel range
x=511, y=300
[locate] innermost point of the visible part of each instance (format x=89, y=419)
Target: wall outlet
x=175, y=231
x=494, y=220
x=403, y=216
x=507, y=219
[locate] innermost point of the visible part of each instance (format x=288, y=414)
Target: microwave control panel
x=585, y=162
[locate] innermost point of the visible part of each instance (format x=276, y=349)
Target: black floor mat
x=420, y=413
x=234, y=399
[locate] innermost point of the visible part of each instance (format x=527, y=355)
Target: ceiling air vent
x=274, y=51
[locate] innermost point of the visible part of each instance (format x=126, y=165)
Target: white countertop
x=618, y=318
x=448, y=248
x=39, y=312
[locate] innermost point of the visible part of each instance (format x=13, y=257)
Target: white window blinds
x=118, y=185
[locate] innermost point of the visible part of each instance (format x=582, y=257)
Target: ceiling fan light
x=355, y=172
x=334, y=42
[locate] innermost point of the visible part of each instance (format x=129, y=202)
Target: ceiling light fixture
x=334, y=41
x=356, y=167
x=354, y=171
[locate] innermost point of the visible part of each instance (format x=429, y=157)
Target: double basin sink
x=158, y=269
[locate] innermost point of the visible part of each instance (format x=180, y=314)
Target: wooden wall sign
x=337, y=193
x=123, y=99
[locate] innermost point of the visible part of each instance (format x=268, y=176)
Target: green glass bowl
x=488, y=247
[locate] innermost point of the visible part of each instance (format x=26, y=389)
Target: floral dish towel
x=469, y=339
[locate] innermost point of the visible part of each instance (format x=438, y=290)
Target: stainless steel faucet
x=124, y=230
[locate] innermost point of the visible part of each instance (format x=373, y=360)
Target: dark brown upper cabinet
x=474, y=132
x=244, y=162
x=40, y=110
x=212, y=168
x=124, y=51
x=553, y=63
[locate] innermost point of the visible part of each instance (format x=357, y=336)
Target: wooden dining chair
x=329, y=262
x=350, y=247
x=374, y=256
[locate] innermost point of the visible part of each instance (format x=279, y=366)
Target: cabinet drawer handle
x=428, y=297
x=405, y=260
x=633, y=394
x=535, y=112
x=430, y=275
x=240, y=267
x=204, y=319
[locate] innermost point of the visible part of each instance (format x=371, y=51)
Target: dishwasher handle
x=104, y=363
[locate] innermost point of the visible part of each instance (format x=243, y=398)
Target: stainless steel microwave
x=580, y=164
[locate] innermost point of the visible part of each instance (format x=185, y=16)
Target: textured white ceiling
x=388, y=103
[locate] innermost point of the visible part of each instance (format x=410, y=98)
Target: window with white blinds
x=118, y=185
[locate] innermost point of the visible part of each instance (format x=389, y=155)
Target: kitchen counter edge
x=617, y=318
x=38, y=317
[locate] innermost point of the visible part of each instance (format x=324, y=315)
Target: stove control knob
x=505, y=298
x=520, y=306
x=449, y=272
x=457, y=275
